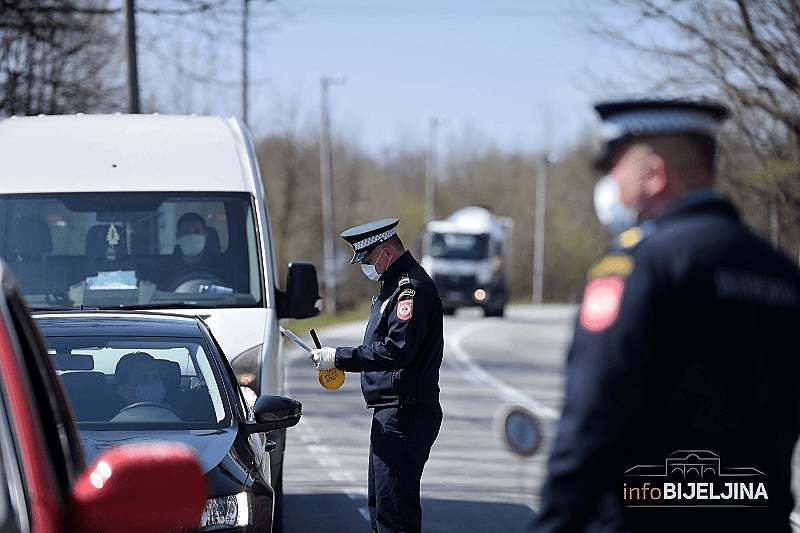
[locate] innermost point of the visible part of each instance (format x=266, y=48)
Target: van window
x=132, y=249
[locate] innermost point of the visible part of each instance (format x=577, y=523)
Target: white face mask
x=370, y=271
x=192, y=244
x=610, y=210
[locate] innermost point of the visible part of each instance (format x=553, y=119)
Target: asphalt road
x=472, y=482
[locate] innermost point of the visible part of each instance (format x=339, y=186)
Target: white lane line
x=475, y=374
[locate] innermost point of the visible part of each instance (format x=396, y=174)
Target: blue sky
x=519, y=74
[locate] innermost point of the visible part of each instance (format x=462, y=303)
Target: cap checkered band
x=658, y=121
x=366, y=243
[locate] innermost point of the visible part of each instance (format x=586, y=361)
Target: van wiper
x=159, y=305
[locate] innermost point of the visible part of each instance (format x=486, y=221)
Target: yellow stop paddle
x=330, y=379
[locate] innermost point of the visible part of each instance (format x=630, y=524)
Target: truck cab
x=468, y=256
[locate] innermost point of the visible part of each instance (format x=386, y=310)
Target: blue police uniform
x=399, y=362
x=682, y=402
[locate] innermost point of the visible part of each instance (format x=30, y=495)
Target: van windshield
x=132, y=249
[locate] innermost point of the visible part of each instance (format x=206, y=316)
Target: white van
x=151, y=212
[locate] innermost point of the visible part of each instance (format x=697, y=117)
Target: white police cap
x=628, y=119
x=366, y=237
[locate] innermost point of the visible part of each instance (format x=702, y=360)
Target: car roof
x=99, y=323
x=110, y=153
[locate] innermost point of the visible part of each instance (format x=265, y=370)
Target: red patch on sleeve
x=405, y=309
x=602, y=301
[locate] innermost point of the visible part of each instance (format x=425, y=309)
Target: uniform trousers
x=400, y=444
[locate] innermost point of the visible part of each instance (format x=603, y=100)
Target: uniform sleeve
x=601, y=397
x=407, y=323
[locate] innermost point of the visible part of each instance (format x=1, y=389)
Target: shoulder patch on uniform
x=406, y=294
x=615, y=263
x=630, y=238
x=602, y=301
x=405, y=309
x=404, y=280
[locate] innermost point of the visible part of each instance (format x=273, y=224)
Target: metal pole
x=325, y=162
x=431, y=168
x=538, y=236
x=245, y=76
x=130, y=46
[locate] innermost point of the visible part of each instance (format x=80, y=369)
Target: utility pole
x=538, y=235
x=130, y=47
x=431, y=166
x=245, y=16
x=325, y=165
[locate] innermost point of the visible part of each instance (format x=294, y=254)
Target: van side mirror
x=301, y=298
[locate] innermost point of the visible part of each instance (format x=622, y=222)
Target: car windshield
x=458, y=246
x=103, y=250
x=113, y=382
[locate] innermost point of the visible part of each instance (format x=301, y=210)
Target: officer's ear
x=655, y=175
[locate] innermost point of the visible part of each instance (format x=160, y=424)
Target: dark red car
x=46, y=487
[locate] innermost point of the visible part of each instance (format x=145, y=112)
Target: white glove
x=324, y=358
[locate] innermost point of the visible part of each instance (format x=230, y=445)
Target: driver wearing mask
x=192, y=258
x=138, y=379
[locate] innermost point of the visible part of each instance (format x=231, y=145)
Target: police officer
x=399, y=363
x=682, y=403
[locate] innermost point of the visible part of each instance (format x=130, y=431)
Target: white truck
x=468, y=255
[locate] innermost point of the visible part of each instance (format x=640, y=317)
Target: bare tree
x=57, y=56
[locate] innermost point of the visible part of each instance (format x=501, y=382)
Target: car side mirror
x=141, y=487
x=301, y=299
x=274, y=412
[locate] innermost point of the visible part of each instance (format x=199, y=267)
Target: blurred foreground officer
x=683, y=379
x=399, y=364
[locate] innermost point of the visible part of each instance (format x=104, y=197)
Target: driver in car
x=193, y=257
x=138, y=379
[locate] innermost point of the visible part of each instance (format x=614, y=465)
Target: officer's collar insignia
x=630, y=238
x=613, y=264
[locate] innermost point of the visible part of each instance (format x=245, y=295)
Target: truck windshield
x=132, y=249
x=458, y=246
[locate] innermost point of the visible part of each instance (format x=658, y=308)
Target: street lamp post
x=431, y=166
x=245, y=74
x=326, y=163
x=538, y=235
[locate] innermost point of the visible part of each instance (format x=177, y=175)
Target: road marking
x=475, y=374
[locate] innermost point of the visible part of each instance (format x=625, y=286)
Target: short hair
x=191, y=217
x=395, y=242
x=126, y=364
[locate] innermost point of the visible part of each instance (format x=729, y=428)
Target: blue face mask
x=149, y=392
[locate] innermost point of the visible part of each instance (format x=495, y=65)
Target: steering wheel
x=147, y=411
x=191, y=281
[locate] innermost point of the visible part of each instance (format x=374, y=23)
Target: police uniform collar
x=628, y=119
x=399, y=266
x=366, y=237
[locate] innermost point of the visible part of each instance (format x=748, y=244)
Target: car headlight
x=232, y=510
